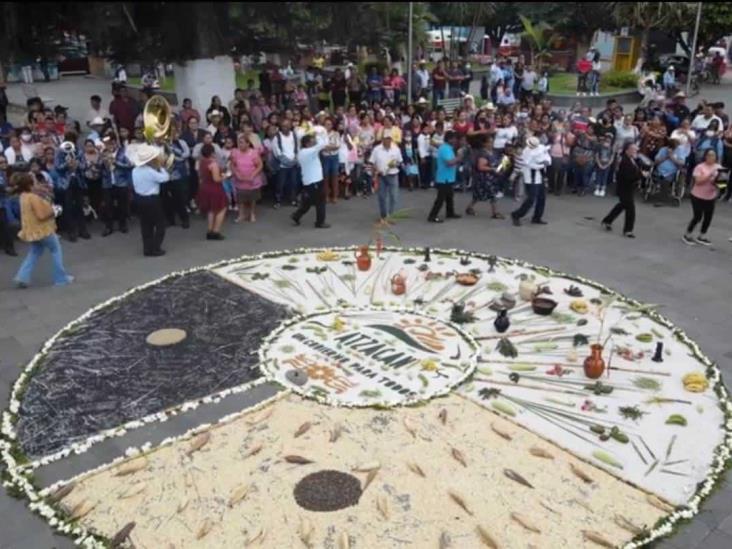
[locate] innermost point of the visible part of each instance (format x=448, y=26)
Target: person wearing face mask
x=21, y=148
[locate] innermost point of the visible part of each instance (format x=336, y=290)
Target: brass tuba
x=157, y=118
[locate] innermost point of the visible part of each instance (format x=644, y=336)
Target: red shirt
x=461, y=127
x=584, y=66
x=439, y=78
x=124, y=112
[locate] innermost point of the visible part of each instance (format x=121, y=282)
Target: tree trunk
x=208, y=39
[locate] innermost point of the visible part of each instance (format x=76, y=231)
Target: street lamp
x=409, y=56
x=693, y=48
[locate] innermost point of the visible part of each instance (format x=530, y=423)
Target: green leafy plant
x=620, y=79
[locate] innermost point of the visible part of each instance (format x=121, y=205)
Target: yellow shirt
x=32, y=228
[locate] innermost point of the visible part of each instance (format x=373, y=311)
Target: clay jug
x=527, y=290
x=363, y=259
x=398, y=285
x=501, y=323
x=594, y=364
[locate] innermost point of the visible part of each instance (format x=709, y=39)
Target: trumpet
x=69, y=149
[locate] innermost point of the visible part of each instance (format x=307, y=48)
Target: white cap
x=421, y=101
x=97, y=121
x=533, y=142
x=671, y=68
x=214, y=113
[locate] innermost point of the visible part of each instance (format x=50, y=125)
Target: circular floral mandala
x=560, y=397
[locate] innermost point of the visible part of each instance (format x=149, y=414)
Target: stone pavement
x=692, y=284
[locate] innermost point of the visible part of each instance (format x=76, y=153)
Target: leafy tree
x=646, y=16
x=538, y=37
x=715, y=24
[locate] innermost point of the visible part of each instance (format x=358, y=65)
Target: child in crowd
x=228, y=184
x=603, y=161
x=411, y=163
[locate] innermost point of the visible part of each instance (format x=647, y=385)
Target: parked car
x=680, y=62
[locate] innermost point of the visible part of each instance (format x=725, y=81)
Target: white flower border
x=18, y=476
x=267, y=343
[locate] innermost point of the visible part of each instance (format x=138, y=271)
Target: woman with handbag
x=627, y=178
x=38, y=227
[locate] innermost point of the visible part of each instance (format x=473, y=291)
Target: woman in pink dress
x=246, y=168
x=211, y=197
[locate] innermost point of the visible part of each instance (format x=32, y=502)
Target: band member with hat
x=147, y=176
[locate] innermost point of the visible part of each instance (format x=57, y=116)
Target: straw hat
x=97, y=121
x=533, y=142
x=422, y=101
x=143, y=153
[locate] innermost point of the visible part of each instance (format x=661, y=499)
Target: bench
x=450, y=104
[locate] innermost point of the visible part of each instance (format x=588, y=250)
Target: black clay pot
x=543, y=305
x=502, y=322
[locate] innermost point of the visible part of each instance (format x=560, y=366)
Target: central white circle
x=369, y=357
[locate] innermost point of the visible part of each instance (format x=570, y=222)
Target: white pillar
x=200, y=79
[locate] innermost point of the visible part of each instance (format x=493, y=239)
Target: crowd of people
x=341, y=136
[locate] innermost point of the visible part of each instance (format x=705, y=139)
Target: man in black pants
x=146, y=179
x=312, y=180
x=445, y=176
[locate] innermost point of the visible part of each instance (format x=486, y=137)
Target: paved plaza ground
x=691, y=283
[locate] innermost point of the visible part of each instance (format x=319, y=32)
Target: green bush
x=620, y=79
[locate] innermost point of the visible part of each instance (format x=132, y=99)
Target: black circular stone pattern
x=327, y=491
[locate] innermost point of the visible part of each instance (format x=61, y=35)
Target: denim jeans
x=286, y=184
x=593, y=80
x=51, y=242
x=388, y=189
x=601, y=178
x=437, y=95
x=582, y=175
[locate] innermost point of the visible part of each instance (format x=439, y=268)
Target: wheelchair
x=652, y=184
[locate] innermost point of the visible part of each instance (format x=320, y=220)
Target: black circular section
x=327, y=491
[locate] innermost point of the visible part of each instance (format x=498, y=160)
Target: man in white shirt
x=423, y=79
x=701, y=121
x=284, y=151
x=146, y=179
x=386, y=158
x=96, y=111
x=312, y=179
x=528, y=80
x=534, y=161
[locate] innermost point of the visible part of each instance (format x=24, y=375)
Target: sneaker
x=454, y=216
x=322, y=226
x=516, y=221
x=688, y=240
x=276, y=206
x=603, y=192
x=295, y=220
x=607, y=226
x=499, y=195
x=21, y=285
x=69, y=280
x=434, y=220
x=597, y=192
x=628, y=235
x=539, y=222
x=703, y=240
